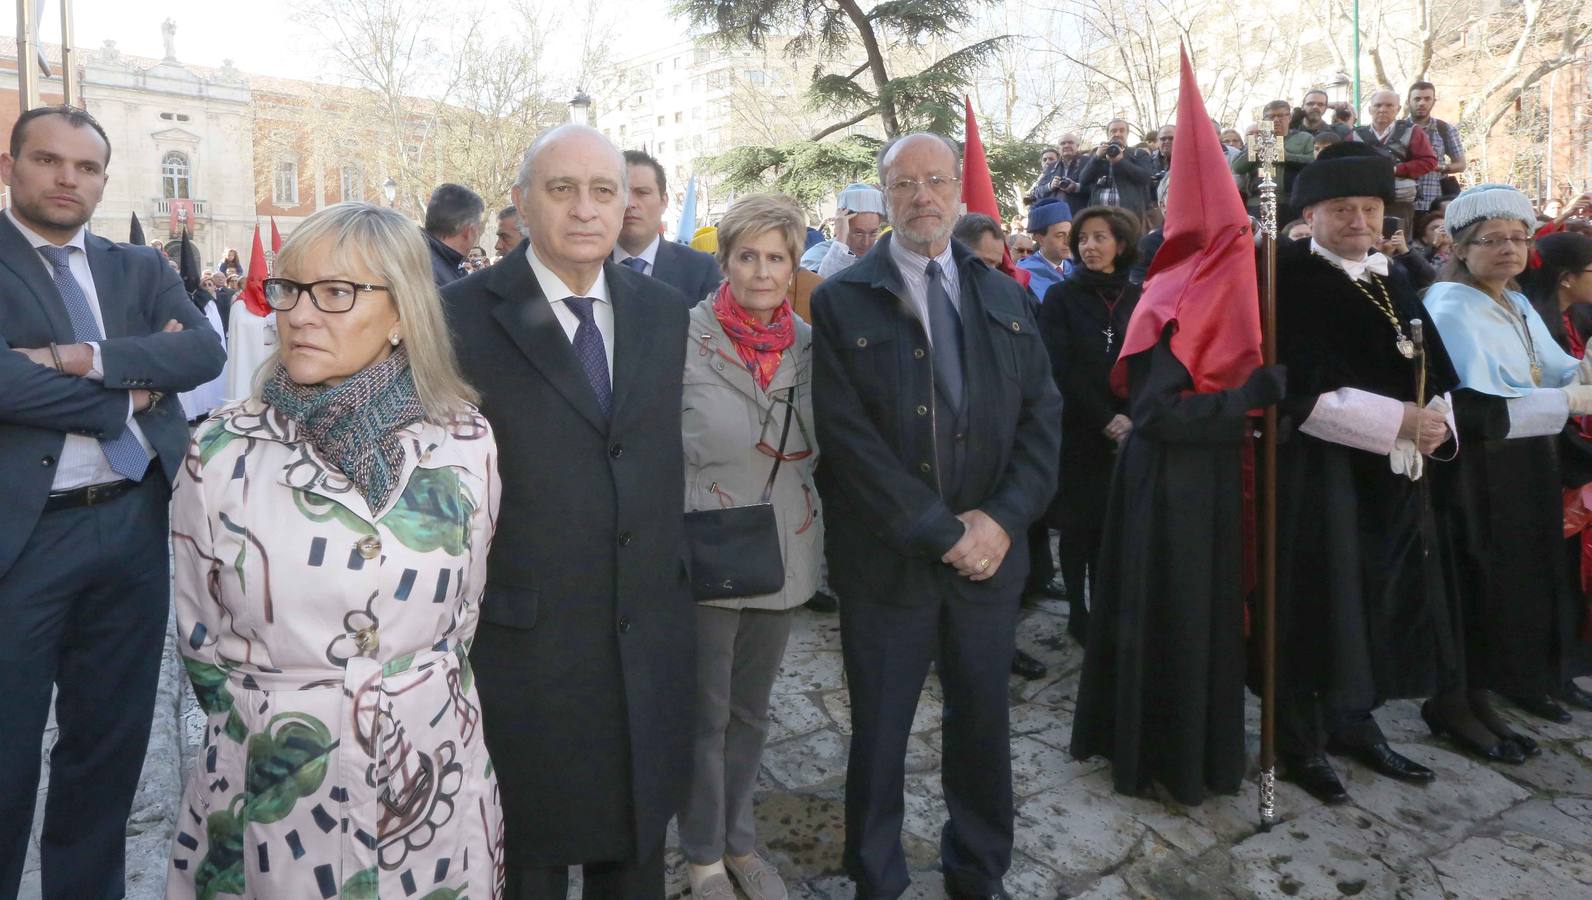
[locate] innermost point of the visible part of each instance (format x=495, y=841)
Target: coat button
x=923, y=410
x=925, y=467
x=367, y=640
x=616, y=451
x=625, y=538
x=862, y=342
x=624, y=625
x=47, y=461
x=368, y=546
x=917, y=353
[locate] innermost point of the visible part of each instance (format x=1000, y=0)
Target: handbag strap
x=784, y=434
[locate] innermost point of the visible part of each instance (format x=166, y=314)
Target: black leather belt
x=93, y=495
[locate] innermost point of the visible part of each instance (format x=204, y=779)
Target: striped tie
x=123, y=452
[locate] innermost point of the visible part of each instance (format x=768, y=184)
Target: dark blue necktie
x=123, y=452
x=637, y=263
x=590, y=351
x=945, y=330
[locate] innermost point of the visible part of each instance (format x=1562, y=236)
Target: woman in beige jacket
x=749, y=360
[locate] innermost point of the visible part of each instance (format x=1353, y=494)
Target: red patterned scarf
x=759, y=345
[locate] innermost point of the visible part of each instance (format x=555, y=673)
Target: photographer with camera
x=1062, y=174
x=1117, y=174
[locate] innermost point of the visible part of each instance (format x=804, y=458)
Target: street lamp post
x=389, y=189
x=580, y=108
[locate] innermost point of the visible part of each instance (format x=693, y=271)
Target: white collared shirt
x=1357, y=269
x=914, y=275
x=648, y=256
x=82, y=461
x=557, y=292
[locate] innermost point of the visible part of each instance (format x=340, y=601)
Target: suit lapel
x=633, y=332
x=660, y=260
x=22, y=263
x=105, y=264
x=528, y=318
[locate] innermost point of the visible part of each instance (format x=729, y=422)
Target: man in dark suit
x=452, y=228
x=96, y=340
x=941, y=430
x=585, y=657
x=641, y=245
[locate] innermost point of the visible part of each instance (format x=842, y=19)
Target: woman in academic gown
x=1503, y=497
x=1559, y=285
x=1162, y=690
x=1083, y=321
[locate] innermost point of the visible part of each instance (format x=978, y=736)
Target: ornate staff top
x=1266, y=148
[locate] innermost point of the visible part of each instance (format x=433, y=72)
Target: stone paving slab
x=1479, y=831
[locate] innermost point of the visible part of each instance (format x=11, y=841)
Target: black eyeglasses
x=333, y=296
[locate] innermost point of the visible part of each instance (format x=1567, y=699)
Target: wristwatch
x=154, y=398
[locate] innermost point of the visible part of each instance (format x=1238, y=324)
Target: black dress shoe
x=1025, y=666
x=821, y=602
x=1384, y=760
x=957, y=892
x=1504, y=751
x=1575, y=696
x=1315, y=775
x=1543, y=707
x=1054, y=589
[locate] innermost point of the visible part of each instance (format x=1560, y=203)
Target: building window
x=352, y=183
x=679, y=117
x=660, y=120
x=284, y=189
x=174, y=176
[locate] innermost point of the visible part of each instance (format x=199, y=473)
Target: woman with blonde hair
x=230, y=264
x=747, y=421
x=330, y=535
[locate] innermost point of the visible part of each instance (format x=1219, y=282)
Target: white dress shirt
x=82, y=462
x=557, y=292
x=648, y=256
x=914, y=275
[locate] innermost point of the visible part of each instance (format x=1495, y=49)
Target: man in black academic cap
x=1363, y=610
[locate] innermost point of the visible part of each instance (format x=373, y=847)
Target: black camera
x=1113, y=150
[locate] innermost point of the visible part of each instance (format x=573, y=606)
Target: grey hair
x=543, y=140
x=888, y=151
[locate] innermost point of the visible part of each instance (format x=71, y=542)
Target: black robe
x=1073, y=322
x=1162, y=689
x=1504, y=506
x=1364, y=612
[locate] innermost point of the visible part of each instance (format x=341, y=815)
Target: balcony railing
x=163, y=208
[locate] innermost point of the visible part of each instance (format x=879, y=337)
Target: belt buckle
x=95, y=494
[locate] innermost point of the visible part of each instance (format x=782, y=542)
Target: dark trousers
x=1306, y=724
x=84, y=611
x=887, y=650
x=1041, y=565
x=628, y=880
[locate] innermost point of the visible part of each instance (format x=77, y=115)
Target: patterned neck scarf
x=354, y=426
x=759, y=345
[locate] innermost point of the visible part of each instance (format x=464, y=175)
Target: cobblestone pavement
x=1479, y=831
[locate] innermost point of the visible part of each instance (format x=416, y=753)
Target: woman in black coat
x=1082, y=322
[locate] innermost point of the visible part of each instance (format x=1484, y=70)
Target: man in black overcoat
x=940, y=425
x=1363, y=611
x=585, y=654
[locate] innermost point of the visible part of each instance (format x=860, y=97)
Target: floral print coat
x=328, y=646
